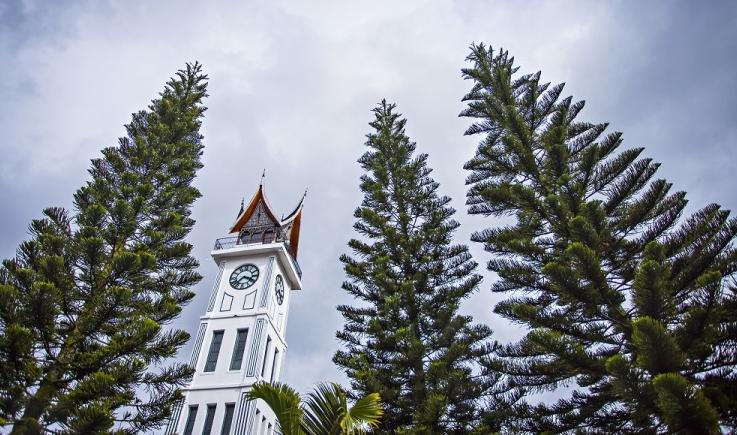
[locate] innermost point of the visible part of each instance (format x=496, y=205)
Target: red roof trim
x=248, y=212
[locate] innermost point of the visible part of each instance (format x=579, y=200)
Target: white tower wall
x=255, y=310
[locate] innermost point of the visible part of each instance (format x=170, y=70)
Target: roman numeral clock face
x=279, y=289
x=244, y=276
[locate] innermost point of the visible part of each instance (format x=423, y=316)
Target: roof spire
x=253, y=207
x=263, y=175
x=240, y=212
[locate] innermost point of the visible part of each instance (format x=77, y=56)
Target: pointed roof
x=297, y=210
x=295, y=219
x=246, y=214
x=289, y=226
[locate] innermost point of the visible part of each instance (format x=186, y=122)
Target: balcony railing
x=231, y=242
x=228, y=242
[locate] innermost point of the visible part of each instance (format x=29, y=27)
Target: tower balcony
x=227, y=243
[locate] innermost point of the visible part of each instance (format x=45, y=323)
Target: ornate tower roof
x=258, y=223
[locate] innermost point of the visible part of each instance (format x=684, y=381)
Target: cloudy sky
x=292, y=86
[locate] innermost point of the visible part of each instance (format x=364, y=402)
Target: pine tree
x=83, y=303
x=629, y=309
x=405, y=339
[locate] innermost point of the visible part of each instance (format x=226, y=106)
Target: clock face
x=279, y=289
x=244, y=276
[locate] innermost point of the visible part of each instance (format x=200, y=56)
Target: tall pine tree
x=406, y=340
x=630, y=310
x=83, y=303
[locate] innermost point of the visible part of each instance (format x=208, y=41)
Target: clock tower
x=240, y=339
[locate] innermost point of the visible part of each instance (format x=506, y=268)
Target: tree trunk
x=29, y=423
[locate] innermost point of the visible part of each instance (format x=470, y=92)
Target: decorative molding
x=227, y=303
x=211, y=304
x=245, y=408
x=249, y=301
x=253, y=356
x=252, y=416
x=174, y=419
x=197, y=345
x=267, y=282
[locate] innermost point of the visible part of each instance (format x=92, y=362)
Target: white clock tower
x=241, y=337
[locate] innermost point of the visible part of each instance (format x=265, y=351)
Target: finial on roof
x=241, y=210
x=263, y=175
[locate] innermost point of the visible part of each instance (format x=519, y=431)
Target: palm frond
x=366, y=412
x=325, y=408
x=284, y=401
x=327, y=412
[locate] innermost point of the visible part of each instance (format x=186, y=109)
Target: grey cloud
x=291, y=89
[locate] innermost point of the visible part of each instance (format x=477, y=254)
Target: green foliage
x=83, y=302
x=628, y=306
x=405, y=338
x=656, y=350
x=325, y=411
x=285, y=402
x=684, y=409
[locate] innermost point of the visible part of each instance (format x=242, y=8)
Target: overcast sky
x=292, y=85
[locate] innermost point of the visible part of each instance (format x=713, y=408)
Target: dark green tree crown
x=83, y=303
x=627, y=305
x=406, y=339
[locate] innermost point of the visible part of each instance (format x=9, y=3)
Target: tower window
x=268, y=236
x=228, y=419
x=266, y=355
x=209, y=417
x=212, y=356
x=251, y=236
x=273, y=365
x=240, y=346
x=190, y=420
